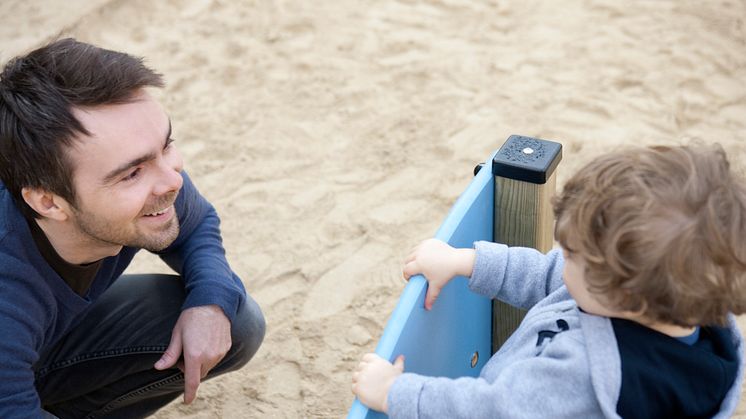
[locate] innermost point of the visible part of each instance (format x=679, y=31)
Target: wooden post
x=524, y=170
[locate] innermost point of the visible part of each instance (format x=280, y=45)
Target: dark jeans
x=104, y=367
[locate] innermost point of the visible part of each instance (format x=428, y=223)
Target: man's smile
x=161, y=212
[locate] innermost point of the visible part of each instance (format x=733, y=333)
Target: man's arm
x=20, y=334
x=198, y=255
x=18, y=396
x=202, y=334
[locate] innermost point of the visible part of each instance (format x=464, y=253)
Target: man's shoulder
x=9, y=213
x=18, y=275
x=27, y=302
x=21, y=281
x=4, y=213
x=11, y=242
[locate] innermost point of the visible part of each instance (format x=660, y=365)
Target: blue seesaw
x=508, y=202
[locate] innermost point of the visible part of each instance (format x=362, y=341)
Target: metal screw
x=528, y=150
x=474, y=359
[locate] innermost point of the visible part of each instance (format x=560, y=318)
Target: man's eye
x=132, y=175
x=168, y=143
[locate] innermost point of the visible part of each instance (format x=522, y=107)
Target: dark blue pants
x=103, y=368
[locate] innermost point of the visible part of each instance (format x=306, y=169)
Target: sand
x=334, y=135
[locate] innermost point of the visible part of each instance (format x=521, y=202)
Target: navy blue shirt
x=37, y=307
x=663, y=377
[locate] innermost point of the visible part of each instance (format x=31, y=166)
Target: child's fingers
x=369, y=357
x=417, y=247
x=399, y=363
x=411, y=268
x=363, y=363
x=431, y=296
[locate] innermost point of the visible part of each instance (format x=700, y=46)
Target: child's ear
x=640, y=312
x=46, y=204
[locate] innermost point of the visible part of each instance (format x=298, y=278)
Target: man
x=90, y=175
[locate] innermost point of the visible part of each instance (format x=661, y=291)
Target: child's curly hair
x=662, y=232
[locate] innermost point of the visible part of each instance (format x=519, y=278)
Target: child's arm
x=556, y=383
x=517, y=275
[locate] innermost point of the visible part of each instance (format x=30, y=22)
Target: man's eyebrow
x=135, y=162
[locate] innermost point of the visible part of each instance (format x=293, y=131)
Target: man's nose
x=169, y=179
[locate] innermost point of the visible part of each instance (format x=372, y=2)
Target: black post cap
x=527, y=159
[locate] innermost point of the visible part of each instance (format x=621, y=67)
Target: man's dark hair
x=38, y=92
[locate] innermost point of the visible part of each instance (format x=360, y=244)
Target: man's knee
x=247, y=333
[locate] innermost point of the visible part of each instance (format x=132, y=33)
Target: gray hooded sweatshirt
x=564, y=363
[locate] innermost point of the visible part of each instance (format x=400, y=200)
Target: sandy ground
x=333, y=135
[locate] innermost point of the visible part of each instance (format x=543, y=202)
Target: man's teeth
x=153, y=214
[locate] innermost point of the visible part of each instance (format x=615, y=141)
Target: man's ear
x=46, y=204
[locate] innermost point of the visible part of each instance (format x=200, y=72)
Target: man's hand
x=438, y=262
x=203, y=334
x=373, y=378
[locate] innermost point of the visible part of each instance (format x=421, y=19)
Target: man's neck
x=74, y=246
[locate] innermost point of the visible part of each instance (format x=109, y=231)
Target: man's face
x=126, y=176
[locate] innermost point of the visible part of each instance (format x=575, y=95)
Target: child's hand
x=438, y=262
x=373, y=378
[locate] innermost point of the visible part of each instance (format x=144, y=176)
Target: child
x=653, y=262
